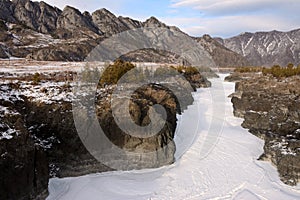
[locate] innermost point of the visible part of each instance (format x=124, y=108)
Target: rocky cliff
x=24, y=166
x=39, y=140
x=270, y=107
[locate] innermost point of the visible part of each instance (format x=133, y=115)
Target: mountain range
x=266, y=48
x=40, y=31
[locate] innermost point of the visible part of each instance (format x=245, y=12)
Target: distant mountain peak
x=207, y=37
x=104, y=13
x=153, y=21
x=68, y=8
x=104, y=10
x=245, y=33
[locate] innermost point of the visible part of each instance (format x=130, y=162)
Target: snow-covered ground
x=228, y=171
x=22, y=66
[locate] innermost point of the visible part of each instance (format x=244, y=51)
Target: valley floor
x=221, y=163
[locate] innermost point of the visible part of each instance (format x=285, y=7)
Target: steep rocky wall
x=271, y=109
x=23, y=165
x=38, y=138
x=45, y=142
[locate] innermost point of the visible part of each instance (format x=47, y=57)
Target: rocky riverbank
x=39, y=140
x=271, y=110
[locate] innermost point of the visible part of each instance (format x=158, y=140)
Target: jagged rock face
x=48, y=18
x=130, y=23
x=271, y=109
x=24, y=167
x=153, y=22
x=108, y=23
x=3, y=52
x=72, y=20
x=38, y=16
x=7, y=11
x=222, y=56
x=4, y=34
x=139, y=107
x=53, y=124
x=266, y=48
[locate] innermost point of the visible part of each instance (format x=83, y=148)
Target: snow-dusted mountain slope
x=229, y=171
x=266, y=48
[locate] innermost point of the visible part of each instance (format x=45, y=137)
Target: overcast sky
x=224, y=18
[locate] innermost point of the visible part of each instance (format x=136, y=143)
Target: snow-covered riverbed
x=230, y=170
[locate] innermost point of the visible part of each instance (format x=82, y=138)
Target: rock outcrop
x=271, y=109
x=142, y=99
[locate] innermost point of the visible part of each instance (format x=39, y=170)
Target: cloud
x=230, y=7
x=231, y=17
x=228, y=26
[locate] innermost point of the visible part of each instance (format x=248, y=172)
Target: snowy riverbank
x=230, y=170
